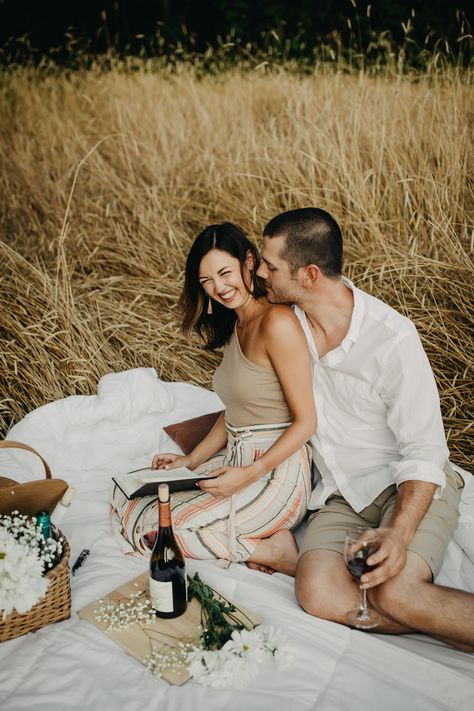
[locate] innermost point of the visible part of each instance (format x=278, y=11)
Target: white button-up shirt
x=379, y=419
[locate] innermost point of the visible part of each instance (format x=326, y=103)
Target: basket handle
x=11, y=444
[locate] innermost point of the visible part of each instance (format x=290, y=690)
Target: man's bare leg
x=277, y=553
x=324, y=588
x=411, y=599
x=410, y=602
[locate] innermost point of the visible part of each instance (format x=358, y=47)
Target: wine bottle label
x=161, y=595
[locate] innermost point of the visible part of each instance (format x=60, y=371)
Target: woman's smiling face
x=220, y=277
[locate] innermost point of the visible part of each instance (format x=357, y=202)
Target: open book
x=144, y=482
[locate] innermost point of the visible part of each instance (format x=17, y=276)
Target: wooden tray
x=140, y=639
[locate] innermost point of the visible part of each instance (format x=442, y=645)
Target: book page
x=178, y=474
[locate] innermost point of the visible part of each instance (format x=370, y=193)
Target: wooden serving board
x=140, y=638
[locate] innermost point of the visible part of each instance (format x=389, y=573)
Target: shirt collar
x=357, y=315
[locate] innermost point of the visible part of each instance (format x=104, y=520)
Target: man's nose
x=262, y=271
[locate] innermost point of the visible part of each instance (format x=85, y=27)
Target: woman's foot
x=278, y=553
x=258, y=566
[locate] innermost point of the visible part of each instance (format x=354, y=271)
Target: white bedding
x=71, y=665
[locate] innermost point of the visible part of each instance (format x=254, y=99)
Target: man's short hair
x=312, y=236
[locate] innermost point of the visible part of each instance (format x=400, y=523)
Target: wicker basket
x=55, y=605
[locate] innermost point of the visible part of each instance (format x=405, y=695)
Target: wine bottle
x=43, y=521
x=62, y=506
x=168, y=584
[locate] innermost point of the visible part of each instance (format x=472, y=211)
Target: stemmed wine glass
x=359, y=545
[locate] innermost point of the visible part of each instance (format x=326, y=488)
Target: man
x=379, y=449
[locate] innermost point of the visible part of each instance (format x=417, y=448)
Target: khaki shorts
x=328, y=525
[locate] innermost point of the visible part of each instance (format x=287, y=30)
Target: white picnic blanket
x=72, y=665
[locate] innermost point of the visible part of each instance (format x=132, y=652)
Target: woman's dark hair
x=215, y=329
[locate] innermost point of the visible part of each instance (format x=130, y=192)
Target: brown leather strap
x=9, y=443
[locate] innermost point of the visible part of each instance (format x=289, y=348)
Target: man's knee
x=313, y=598
x=315, y=585
x=400, y=592
x=385, y=597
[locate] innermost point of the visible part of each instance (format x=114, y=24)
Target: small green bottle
x=44, y=522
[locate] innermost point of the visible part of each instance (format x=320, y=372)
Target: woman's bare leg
x=277, y=553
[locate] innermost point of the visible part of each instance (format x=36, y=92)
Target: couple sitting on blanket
x=340, y=380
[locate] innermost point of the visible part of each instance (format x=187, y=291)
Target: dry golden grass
x=90, y=277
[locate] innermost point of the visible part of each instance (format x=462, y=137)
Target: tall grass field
x=107, y=176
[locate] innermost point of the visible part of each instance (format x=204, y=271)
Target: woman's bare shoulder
x=280, y=318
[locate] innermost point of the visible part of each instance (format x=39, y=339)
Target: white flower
x=284, y=656
x=236, y=663
x=220, y=669
x=235, y=673
x=22, y=584
x=246, y=643
x=202, y=662
x=26, y=531
x=277, y=645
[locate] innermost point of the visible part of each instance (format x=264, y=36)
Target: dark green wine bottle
x=168, y=583
x=43, y=520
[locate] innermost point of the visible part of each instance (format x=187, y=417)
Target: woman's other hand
x=171, y=461
x=226, y=481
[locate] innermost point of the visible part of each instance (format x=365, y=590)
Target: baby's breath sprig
x=125, y=612
x=169, y=658
x=25, y=530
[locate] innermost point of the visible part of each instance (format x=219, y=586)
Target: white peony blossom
x=22, y=584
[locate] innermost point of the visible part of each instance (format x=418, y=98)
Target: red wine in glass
x=357, y=564
x=359, y=545
x=149, y=539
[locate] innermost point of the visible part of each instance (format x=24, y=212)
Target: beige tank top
x=251, y=393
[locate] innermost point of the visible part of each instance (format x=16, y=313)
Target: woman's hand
x=171, y=461
x=226, y=481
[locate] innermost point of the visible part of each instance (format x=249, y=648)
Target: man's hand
x=390, y=558
x=226, y=481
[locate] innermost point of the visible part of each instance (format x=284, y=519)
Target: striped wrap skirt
x=226, y=529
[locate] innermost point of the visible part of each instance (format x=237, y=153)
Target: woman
x=261, y=485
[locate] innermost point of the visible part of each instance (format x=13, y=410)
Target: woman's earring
x=209, y=307
x=252, y=281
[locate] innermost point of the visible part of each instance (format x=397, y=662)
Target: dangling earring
x=252, y=281
x=209, y=307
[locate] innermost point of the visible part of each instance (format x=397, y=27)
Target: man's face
x=282, y=287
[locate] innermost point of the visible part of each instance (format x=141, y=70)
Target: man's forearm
x=413, y=500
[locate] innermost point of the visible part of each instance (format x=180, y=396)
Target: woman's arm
x=287, y=349
x=289, y=355
x=215, y=440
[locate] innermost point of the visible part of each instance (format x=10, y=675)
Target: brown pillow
x=189, y=433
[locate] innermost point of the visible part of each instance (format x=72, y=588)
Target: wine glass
x=148, y=539
x=359, y=545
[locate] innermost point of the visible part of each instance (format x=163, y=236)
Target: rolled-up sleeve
x=414, y=415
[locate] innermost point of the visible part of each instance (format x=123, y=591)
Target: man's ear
x=310, y=275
